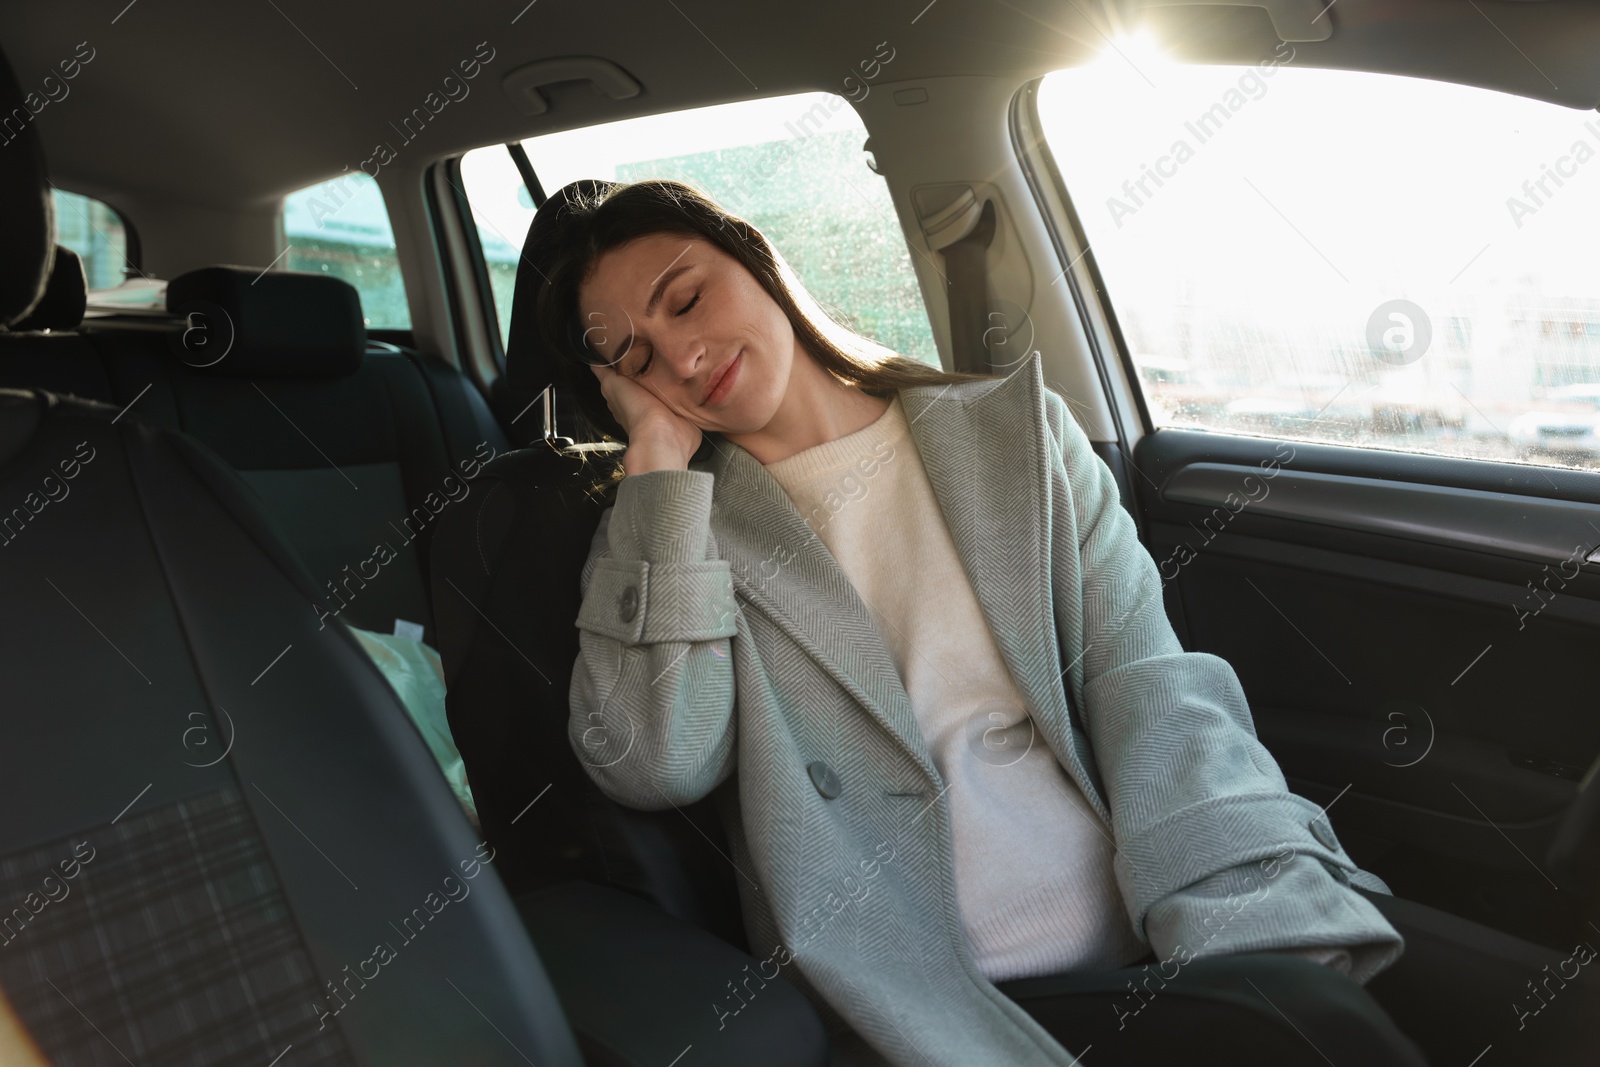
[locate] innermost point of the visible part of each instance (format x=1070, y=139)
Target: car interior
x=292, y=512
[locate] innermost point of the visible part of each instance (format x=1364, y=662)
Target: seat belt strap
x=966, y=269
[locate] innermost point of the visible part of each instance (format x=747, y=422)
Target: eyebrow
x=661, y=286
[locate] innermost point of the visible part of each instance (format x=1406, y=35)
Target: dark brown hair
x=593, y=220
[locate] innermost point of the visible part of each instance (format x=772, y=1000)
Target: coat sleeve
x=652, y=693
x=1200, y=809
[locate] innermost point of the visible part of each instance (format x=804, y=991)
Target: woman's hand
x=658, y=437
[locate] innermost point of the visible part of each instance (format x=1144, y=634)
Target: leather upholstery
x=168, y=649
x=27, y=226
x=269, y=324
x=66, y=295
x=530, y=367
x=668, y=973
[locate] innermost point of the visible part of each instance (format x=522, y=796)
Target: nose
x=685, y=353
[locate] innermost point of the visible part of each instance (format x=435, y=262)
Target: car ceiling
x=234, y=106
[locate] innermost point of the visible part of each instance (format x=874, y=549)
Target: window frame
x=1095, y=310
x=483, y=306
x=133, y=250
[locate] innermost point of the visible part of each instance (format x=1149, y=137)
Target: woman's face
x=673, y=313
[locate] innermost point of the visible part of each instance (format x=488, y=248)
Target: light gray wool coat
x=717, y=633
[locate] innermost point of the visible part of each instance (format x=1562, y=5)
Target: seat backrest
x=506, y=594
x=506, y=583
x=65, y=295
x=221, y=830
x=345, y=447
x=43, y=350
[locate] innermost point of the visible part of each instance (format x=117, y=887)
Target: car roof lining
x=178, y=104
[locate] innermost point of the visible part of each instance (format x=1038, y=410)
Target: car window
x=96, y=232
x=341, y=227
x=792, y=165
x=1339, y=256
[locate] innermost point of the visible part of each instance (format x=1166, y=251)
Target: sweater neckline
x=829, y=457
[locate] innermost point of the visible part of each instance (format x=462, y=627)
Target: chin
x=750, y=411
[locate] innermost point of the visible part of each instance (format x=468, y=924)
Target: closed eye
x=681, y=311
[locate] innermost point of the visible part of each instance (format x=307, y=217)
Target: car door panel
x=1416, y=634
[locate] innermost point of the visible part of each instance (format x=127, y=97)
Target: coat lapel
x=782, y=568
x=976, y=443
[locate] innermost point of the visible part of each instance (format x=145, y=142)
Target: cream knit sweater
x=1033, y=861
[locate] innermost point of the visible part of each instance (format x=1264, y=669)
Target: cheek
x=756, y=319
x=776, y=330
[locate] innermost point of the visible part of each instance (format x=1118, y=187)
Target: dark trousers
x=1460, y=991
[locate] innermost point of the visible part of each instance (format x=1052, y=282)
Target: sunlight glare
x=1138, y=49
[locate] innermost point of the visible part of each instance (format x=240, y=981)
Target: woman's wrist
x=642, y=457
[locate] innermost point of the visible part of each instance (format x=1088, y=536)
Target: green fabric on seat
x=415, y=673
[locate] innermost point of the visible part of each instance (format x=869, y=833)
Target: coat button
x=1322, y=830
x=628, y=604
x=824, y=779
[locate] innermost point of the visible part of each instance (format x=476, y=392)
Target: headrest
x=243, y=322
x=530, y=367
x=28, y=232
x=66, y=294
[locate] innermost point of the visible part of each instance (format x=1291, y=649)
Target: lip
x=725, y=380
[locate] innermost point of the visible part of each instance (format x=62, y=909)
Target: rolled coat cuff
x=1368, y=880
x=1222, y=832
x=644, y=603
x=1336, y=958
x=1297, y=904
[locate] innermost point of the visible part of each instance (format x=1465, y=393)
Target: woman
x=907, y=606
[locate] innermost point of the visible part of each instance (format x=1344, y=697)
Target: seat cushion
x=636, y=984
